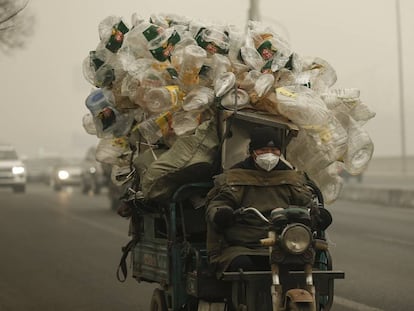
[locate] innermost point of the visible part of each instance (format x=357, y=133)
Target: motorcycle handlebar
x=244, y=210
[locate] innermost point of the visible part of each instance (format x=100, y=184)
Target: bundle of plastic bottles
x=160, y=78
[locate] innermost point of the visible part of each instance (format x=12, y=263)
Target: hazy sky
x=43, y=89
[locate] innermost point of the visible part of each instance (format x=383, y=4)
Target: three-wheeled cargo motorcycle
x=169, y=243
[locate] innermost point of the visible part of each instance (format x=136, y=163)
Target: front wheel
x=299, y=306
x=158, y=301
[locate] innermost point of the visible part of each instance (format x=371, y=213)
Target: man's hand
x=223, y=217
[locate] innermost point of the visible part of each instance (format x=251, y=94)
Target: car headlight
x=62, y=174
x=92, y=170
x=296, y=238
x=17, y=170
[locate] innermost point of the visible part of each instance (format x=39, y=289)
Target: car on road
x=67, y=173
x=12, y=169
x=39, y=169
x=93, y=175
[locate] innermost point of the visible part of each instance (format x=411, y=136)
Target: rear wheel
x=158, y=301
x=19, y=189
x=97, y=189
x=85, y=187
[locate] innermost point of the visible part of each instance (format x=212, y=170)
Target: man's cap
x=261, y=137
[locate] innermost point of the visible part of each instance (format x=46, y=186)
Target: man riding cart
x=234, y=267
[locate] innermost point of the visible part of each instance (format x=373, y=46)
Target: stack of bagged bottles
x=157, y=83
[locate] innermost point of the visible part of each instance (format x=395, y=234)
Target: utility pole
x=401, y=88
x=254, y=11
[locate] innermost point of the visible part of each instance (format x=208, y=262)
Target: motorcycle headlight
x=17, y=170
x=296, y=238
x=62, y=174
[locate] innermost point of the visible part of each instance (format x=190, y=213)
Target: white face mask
x=267, y=161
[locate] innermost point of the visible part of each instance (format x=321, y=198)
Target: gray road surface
x=59, y=251
x=374, y=245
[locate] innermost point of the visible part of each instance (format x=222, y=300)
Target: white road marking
x=353, y=305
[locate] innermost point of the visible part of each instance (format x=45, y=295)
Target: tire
x=325, y=264
x=19, y=189
x=57, y=187
x=301, y=306
x=97, y=190
x=158, y=301
x=85, y=188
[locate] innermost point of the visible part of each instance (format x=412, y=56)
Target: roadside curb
x=379, y=195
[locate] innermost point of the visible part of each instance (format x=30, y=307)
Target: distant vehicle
x=93, y=177
x=66, y=173
x=40, y=169
x=12, y=169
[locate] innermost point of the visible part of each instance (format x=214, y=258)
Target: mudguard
x=299, y=295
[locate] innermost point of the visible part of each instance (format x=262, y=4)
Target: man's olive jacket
x=243, y=188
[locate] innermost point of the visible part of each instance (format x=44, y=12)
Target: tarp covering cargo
x=190, y=159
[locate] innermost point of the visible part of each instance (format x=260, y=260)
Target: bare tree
x=16, y=24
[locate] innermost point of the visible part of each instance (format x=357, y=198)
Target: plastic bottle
x=213, y=40
x=129, y=86
x=258, y=86
x=303, y=106
x=111, y=31
x=284, y=77
x=117, y=37
x=177, y=55
x=156, y=127
x=97, y=71
x=272, y=48
x=160, y=20
x=192, y=61
x=219, y=65
x=160, y=99
x=114, y=151
x=88, y=69
x=269, y=103
x=107, y=119
x=103, y=112
x=263, y=84
x=321, y=74
x=151, y=78
x=252, y=58
x=316, y=148
x=304, y=153
x=88, y=124
x=224, y=83
x=331, y=138
x=163, y=44
x=343, y=100
x=359, y=149
x=185, y=122
x=199, y=98
x=135, y=42
x=235, y=99
x=249, y=80
x=329, y=182
x=362, y=113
